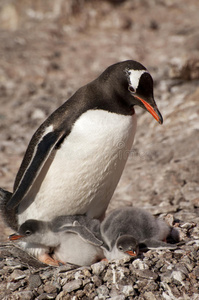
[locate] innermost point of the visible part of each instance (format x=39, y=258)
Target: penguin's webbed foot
x=47, y=259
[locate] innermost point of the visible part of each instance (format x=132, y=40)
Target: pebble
x=102, y=291
x=34, y=281
x=99, y=267
x=17, y=275
x=72, y=285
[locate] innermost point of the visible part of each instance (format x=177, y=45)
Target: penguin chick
x=72, y=239
x=127, y=229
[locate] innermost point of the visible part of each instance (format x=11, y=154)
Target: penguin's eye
x=120, y=248
x=28, y=232
x=131, y=89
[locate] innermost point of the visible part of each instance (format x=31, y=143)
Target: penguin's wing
x=41, y=145
x=83, y=232
x=155, y=244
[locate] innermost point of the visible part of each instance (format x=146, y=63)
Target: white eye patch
x=134, y=77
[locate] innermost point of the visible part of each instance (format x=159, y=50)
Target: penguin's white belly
x=82, y=175
x=76, y=251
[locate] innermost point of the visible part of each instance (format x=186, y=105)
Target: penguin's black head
x=28, y=229
x=127, y=244
x=131, y=84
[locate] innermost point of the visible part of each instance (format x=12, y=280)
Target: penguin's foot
x=47, y=259
x=104, y=259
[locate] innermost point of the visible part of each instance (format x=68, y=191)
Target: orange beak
x=153, y=111
x=14, y=237
x=131, y=253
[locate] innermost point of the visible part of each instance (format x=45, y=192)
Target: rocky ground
x=46, y=54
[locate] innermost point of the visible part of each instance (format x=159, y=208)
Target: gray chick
x=73, y=239
x=127, y=229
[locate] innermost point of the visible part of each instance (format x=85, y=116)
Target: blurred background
x=48, y=49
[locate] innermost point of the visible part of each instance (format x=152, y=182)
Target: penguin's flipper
x=84, y=233
x=155, y=244
x=38, y=151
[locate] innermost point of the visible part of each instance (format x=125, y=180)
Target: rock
x=99, y=267
x=169, y=219
x=128, y=290
x=13, y=286
x=147, y=274
x=51, y=288
x=149, y=296
x=72, y=285
x=23, y=295
x=178, y=275
x=17, y=275
x=196, y=272
x=34, y=281
x=96, y=280
x=139, y=264
x=102, y=292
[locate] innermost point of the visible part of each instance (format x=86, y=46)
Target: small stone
x=169, y=219
x=86, y=273
x=34, y=281
x=166, y=277
x=12, y=286
x=108, y=275
x=96, y=280
x=24, y=295
x=146, y=274
x=99, y=267
x=90, y=290
x=102, y=291
x=17, y=275
x=139, y=264
x=128, y=290
x=45, y=296
x=72, y=285
x=149, y=296
x=196, y=272
x=50, y=288
x=182, y=268
x=118, y=297
x=63, y=296
x=65, y=268
x=179, y=276
x=85, y=281
x=188, y=225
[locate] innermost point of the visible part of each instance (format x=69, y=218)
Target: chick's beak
x=132, y=253
x=154, y=111
x=14, y=237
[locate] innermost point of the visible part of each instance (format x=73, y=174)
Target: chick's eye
x=131, y=89
x=120, y=248
x=28, y=232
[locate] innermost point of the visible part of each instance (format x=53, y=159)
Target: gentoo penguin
x=127, y=229
x=75, y=159
x=72, y=239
